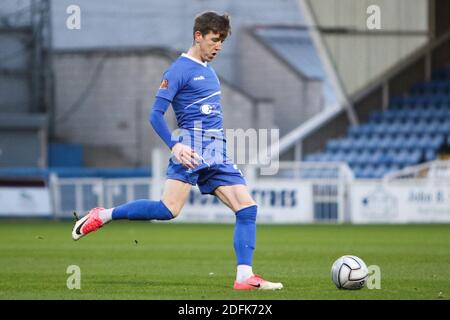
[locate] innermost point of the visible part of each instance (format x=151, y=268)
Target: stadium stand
x=414, y=129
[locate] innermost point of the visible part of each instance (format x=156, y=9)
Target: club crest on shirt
x=164, y=84
x=206, y=109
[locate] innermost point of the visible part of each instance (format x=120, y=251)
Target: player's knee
x=244, y=204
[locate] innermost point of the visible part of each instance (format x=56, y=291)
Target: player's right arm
x=183, y=153
x=171, y=83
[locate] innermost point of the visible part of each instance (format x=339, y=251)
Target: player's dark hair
x=212, y=21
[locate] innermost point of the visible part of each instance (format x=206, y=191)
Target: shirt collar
x=194, y=59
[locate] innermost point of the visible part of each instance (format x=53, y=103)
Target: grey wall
x=19, y=148
x=22, y=132
x=296, y=99
x=362, y=55
x=136, y=23
x=15, y=94
x=22, y=139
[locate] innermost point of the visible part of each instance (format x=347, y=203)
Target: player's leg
x=173, y=198
x=239, y=200
x=236, y=197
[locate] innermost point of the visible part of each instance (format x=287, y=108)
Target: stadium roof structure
x=295, y=46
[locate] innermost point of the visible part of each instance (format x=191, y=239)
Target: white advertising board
x=411, y=201
x=278, y=201
x=25, y=201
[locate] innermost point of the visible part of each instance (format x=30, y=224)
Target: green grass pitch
x=174, y=261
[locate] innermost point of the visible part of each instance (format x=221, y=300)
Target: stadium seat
x=441, y=74
x=333, y=145
x=357, y=171
x=312, y=157
x=412, y=130
x=437, y=141
x=433, y=127
x=354, y=132
x=430, y=155
x=352, y=157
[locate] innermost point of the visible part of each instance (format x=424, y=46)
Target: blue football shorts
x=215, y=169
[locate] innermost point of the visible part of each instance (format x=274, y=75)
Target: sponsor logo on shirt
x=164, y=84
x=199, y=78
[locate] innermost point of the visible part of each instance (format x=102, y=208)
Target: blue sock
x=245, y=235
x=142, y=210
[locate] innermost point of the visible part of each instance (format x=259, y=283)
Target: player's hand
x=185, y=155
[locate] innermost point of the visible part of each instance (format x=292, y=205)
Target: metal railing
x=82, y=194
x=329, y=182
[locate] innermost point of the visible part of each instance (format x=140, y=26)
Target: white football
x=349, y=272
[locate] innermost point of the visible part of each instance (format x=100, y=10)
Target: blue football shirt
x=194, y=91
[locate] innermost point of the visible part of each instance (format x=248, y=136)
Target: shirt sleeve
x=159, y=124
x=171, y=83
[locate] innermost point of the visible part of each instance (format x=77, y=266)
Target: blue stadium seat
x=349, y=157
x=357, y=171
x=431, y=88
x=441, y=74
x=376, y=157
x=392, y=168
x=312, y=157
x=386, y=158
x=397, y=142
x=376, y=117
x=419, y=101
x=418, y=88
x=360, y=143
x=437, y=141
x=396, y=102
x=393, y=115
x=411, y=158
x=333, y=145
x=378, y=172
x=409, y=115
x=337, y=156
x=435, y=101
x=372, y=143
x=346, y=143
x=385, y=143
x=410, y=143
x=368, y=171
x=354, y=132
x=442, y=114
x=412, y=130
x=379, y=128
x=424, y=141
x=425, y=114
x=443, y=100
x=361, y=158
x=402, y=157
x=366, y=129
x=430, y=155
